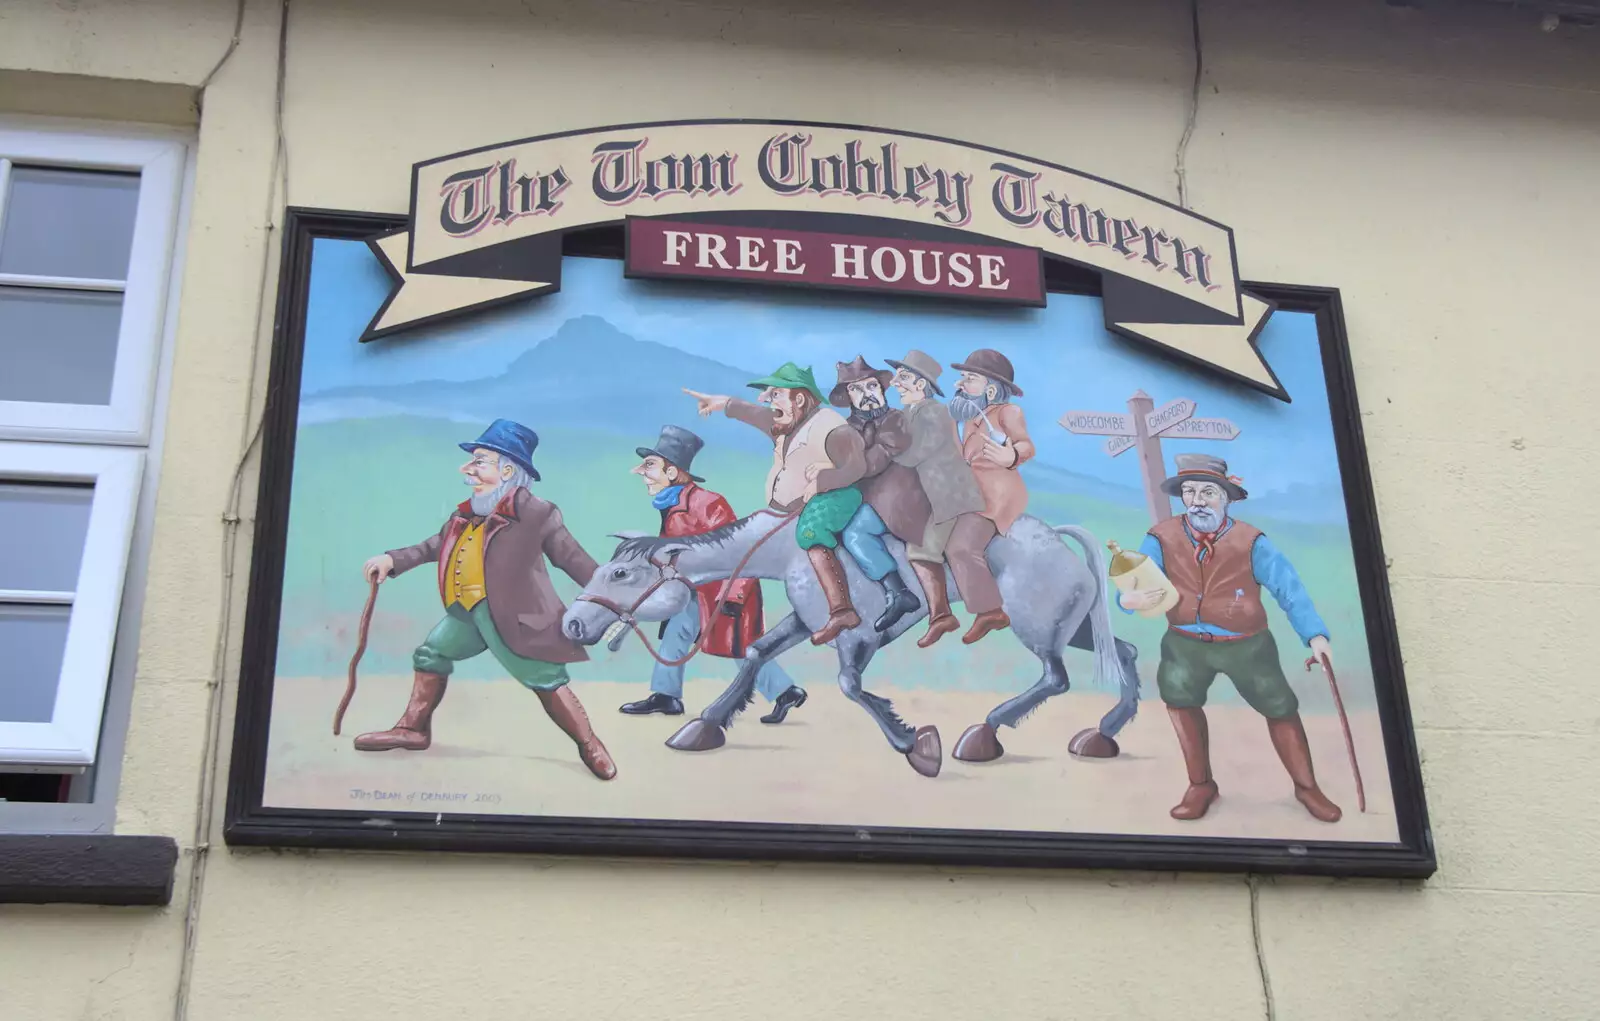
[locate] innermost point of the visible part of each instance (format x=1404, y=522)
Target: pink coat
x=1005, y=496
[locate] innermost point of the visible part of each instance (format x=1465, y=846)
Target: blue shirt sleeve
x=1275, y=573
x=1150, y=547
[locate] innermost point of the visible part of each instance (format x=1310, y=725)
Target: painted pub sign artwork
x=777, y=490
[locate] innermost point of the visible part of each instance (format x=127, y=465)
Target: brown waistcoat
x=1221, y=591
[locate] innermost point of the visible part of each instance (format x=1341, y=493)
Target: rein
x=669, y=573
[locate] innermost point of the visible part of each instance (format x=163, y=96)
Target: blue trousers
x=863, y=537
x=682, y=630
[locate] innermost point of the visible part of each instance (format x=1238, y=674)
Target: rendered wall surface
x=1438, y=166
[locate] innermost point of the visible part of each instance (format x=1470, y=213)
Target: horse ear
x=667, y=553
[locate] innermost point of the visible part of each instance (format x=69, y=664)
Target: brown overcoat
x=520, y=533
x=890, y=488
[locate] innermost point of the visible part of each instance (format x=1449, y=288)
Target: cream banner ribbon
x=486, y=225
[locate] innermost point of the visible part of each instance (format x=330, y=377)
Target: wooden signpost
x=1143, y=426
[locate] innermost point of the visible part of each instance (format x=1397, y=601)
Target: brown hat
x=855, y=372
x=922, y=365
x=988, y=362
x=1203, y=468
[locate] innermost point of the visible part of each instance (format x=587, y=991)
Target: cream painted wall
x=1439, y=166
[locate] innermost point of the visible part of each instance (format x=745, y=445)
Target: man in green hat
x=816, y=461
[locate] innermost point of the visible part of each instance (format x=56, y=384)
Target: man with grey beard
x=995, y=442
x=1218, y=565
x=497, y=595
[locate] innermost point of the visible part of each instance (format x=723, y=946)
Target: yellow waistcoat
x=464, y=575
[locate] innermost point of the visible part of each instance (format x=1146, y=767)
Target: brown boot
x=842, y=615
x=940, y=620
x=1194, y=738
x=414, y=731
x=567, y=712
x=1289, y=738
x=985, y=622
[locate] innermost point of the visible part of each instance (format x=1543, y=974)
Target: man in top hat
x=497, y=595
x=891, y=494
x=806, y=433
x=687, y=508
x=995, y=442
x=956, y=527
x=1218, y=566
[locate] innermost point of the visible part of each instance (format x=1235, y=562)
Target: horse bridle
x=669, y=573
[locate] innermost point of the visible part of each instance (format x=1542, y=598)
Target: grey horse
x=1053, y=597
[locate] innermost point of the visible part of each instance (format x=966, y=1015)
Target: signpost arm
x=1152, y=467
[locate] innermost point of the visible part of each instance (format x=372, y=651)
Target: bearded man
x=995, y=442
x=892, y=496
x=956, y=528
x=497, y=595
x=816, y=461
x=725, y=630
x=1218, y=565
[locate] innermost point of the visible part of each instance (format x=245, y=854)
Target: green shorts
x=825, y=516
x=463, y=635
x=1189, y=666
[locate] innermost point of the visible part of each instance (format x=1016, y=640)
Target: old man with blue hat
x=497, y=595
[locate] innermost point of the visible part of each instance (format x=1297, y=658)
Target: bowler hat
x=854, y=372
x=1203, y=468
x=508, y=439
x=986, y=361
x=923, y=365
x=677, y=446
x=789, y=376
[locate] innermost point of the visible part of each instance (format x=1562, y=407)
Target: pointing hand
x=708, y=402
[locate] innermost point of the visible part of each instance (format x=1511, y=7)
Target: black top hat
x=677, y=446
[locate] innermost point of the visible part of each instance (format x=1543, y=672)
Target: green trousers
x=464, y=634
x=1189, y=666
x=825, y=516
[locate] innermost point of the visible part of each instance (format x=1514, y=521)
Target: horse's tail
x=1106, y=662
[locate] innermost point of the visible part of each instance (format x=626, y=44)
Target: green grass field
x=362, y=486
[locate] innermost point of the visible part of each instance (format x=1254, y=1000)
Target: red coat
x=700, y=510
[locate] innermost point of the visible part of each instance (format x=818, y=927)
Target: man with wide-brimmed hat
x=726, y=630
x=1218, y=565
x=891, y=494
x=956, y=528
x=816, y=461
x=995, y=442
x=497, y=595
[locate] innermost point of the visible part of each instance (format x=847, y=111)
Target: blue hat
x=508, y=439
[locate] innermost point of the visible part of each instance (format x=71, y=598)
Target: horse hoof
x=1091, y=744
x=697, y=736
x=980, y=743
x=926, y=754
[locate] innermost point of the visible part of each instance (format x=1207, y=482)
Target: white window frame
x=73, y=733
x=160, y=163
x=166, y=157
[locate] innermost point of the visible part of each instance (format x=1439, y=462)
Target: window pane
x=58, y=346
x=44, y=526
x=32, y=641
x=69, y=223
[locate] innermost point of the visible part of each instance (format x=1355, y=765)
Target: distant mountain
x=588, y=376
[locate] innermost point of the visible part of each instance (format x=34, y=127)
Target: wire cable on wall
x=205, y=800
x=1179, y=170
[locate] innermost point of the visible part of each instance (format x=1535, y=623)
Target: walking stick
x=361, y=646
x=1344, y=723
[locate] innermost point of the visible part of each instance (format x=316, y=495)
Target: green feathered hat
x=790, y=377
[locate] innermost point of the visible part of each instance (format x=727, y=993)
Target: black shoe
x=666, y=705
x=792, y=697
x=901, y=601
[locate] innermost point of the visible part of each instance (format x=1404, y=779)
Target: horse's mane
x=646, y=545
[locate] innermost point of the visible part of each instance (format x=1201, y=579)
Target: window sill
x=118, y=871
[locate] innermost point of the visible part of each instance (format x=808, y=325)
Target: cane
x=361, y=646
x=1344, y=723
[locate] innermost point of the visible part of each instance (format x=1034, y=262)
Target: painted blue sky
x=1064, y=358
